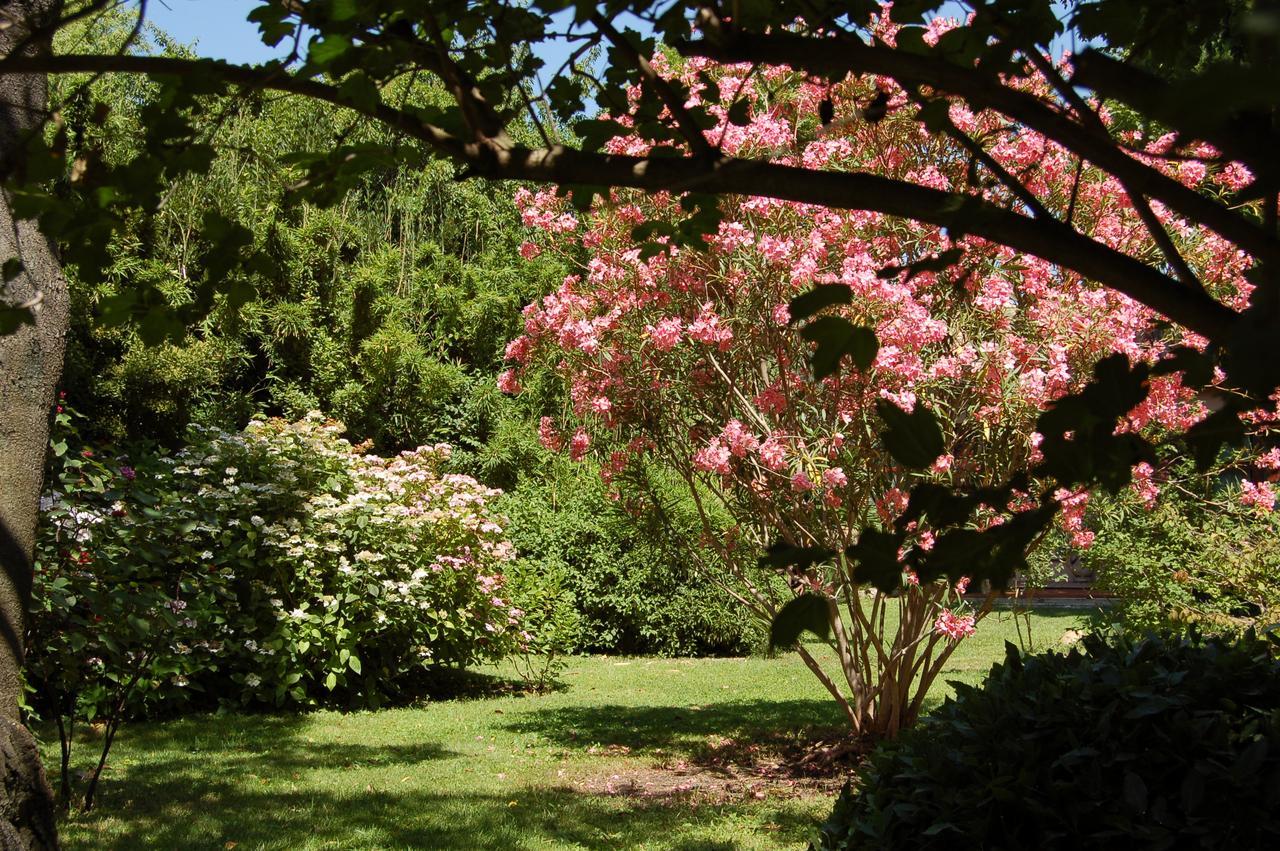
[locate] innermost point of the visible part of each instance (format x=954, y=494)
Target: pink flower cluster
x=1072, y=517
x=953, y=626
x=1258, y=495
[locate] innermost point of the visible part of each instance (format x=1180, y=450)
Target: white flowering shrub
x=280, y=566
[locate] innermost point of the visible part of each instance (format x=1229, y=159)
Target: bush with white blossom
x=279, y=566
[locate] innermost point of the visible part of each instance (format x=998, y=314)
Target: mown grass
x=568, y=769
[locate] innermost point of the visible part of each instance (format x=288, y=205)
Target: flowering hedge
x=691, y=358
x=280, y=566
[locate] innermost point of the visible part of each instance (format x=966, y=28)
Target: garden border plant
x=278, y=567
x=1149, y=742
x=693, y=362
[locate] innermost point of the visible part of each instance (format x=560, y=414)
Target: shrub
x=278, y=566
x=1152, y=743
x=1194, y=555
x=635, y=590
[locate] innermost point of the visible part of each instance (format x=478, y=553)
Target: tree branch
x=1052, y=241
x=1140, y=205
x=1239, y=139
x=484, y=122
x=836, y=58
x=688, y=127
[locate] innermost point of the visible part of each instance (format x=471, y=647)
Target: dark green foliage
x=636, y=591
x=805, y=613
x=914, y=438
x=834, y=338
x=388, y=308
x=1150, y=743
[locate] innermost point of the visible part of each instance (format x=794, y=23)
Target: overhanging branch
x=1051, y=241
x=836, y=58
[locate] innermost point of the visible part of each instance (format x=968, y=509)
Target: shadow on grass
x=230, y=746
x=208, y=781
x=647, y=728
x=463, y=684
x=157, y=812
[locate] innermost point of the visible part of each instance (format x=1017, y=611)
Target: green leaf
x=359, y=91
x=1207, y=437
x=344, y=10
x=913, y=439
x=824, y=295
x=740, y=112
x=331, y=681
x=875, y=559
x=1135, y=792
x=594, y=132
x=1192, y=791
x=328, y=49
x=807, y=612
x=781, y=554
x=354, y=663
x=835, y=338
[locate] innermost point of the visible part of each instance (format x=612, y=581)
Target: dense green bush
x=636, y=589
x=388, y=309
x=1135, y=743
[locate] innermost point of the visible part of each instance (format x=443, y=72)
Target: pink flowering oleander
x=509, y=383
x=1144, y=485
x=739, y=439
x=706, y=375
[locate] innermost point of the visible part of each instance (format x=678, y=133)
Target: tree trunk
x=30, y=366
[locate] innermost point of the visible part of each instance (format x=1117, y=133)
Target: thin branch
x=1140, y=204
x=684, y=120
x=838, y=57
x=1237, y=139
x=1075, y=193
x=479, y=115
x=982, y=155
x=1049, y=240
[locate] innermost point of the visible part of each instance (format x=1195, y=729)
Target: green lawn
x=632, y=753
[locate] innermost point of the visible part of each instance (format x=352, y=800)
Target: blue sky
x=218, y=27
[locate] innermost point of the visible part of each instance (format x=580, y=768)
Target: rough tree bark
x=30, y=366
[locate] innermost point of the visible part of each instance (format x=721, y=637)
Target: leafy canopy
x=510, y=106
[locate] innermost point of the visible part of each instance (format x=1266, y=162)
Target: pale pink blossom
x=1259, y=495
x=665, y=334
x=579, y=444
x=773, y=453
x=714, y=458
x=739, y=439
